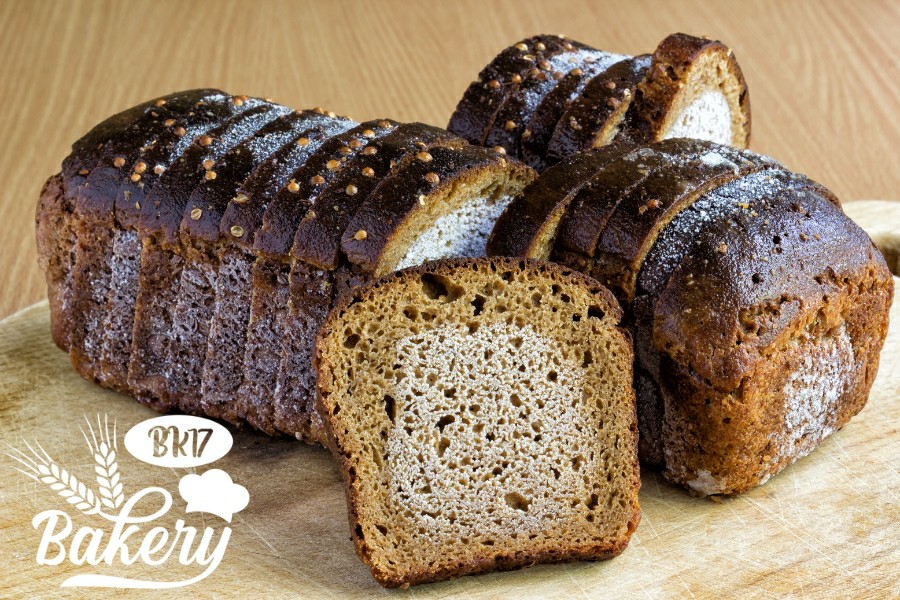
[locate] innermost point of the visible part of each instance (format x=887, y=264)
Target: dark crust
x=164, y=205
x=273, y=174
x=318, y=237
x=397, y=198
x=166, y=147
x=793, y=273
x=543, y=120
x=53, y=225
x=632, y=229
x=476, y=112
x=89, y=149
x=671, y=61
x=584, y=222
x=549, y=66
x=684, y=238
x=343, y=455
x=232, y=169
x=723, y=399
x=276, y=235
x=96, y=198
x=525, y=225
x=597, y=108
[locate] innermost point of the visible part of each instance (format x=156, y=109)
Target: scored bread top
x=528, y=227
x=97, y=196
x=164, y=204
x=476, y=112
x=584, y=224
x=291, y=203
x=89, y=149
x=170, y=142
x=632, y=228
x=552, y=61
x=542, y=122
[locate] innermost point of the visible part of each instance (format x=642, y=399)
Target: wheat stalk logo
x=103, y=446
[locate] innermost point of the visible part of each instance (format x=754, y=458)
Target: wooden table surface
x=824, y=77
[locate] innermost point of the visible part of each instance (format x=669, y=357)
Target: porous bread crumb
x=462, y=232
x=707, y=117
x=483, y=415
x=496, y=414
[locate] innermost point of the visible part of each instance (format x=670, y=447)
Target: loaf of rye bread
x=482, y=416
x=758, y=309
x=548, y=97
x=193, y=245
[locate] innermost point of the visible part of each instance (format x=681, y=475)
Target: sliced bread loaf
x=204, y=267
x=482, y=416
x=758, y=309
x=573, y=97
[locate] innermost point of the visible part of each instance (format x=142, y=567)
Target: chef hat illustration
x=213, y=492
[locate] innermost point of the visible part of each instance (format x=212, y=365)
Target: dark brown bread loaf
x=482, y=416
x=574, y=98
x=196, y=263
x=758, y=309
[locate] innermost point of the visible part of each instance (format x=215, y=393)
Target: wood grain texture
x=824, y=76
x=823, y=528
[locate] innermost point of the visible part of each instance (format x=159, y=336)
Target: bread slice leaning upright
x=483, y=418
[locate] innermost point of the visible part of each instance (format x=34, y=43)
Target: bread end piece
x=482, y=415
x=693, y=88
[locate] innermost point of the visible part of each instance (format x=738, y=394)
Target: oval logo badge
x=178, y=441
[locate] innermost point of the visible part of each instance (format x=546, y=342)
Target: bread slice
x=271, y=279
x=317, y=251
x=542, y=122
x=199, y=233
x=161, y=258
x=56, y=218
x=228, y=331
x=96, y=230
x=694, y=88
x=529, y=225
x=482, y=416
x=598, y=115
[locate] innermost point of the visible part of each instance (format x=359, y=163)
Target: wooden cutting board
x=829, y=526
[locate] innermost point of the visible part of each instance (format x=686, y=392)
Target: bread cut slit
x=517, y=436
